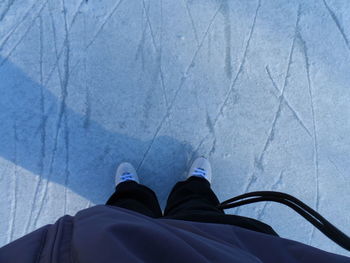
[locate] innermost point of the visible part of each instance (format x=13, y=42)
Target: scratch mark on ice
x=23, y=36
x=339, y=26
x=295, y=114
x=6, y=9
x=15, y=187
x=178, y=89
x=281, y=96
x=316, y=158
x=114, y=9
x=62, y=113
x=65, y=92
x=158, y=51
x=258, y=162
x=63, y=46
x=227, y=21
x=274, y=187
x=87, y=91
x=337, y=168
x=9, y=34
x=240, y=70
x=43, y=132
x=192, y=22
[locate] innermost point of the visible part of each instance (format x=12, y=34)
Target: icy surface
x=260, y=87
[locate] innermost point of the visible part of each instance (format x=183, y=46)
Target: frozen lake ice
x=259, y=87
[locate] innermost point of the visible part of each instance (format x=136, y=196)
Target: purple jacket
x=111, y=234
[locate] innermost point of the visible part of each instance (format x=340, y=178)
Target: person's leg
x=192, y=196
x=137, y=197
x=194, y=200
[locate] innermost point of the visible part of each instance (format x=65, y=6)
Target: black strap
x=307, y=212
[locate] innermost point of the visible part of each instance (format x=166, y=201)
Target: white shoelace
x=127, y=176
x=199, y=172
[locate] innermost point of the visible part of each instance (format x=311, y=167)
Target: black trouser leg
x=136, y=197
x=187, y=197
x=192, y=196
x=191, y=200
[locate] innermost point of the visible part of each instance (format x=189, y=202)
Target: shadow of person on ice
x=41, y=134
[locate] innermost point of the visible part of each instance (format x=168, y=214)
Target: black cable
x=301, y=208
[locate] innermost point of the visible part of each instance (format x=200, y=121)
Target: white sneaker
x=126, y=172
x=201, y=167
